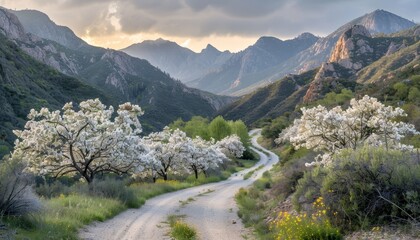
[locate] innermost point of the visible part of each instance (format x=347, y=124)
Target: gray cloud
x=200, y=18
x=238, y=8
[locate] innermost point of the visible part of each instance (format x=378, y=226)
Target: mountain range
x=43, y=64
x=123, y=77
x=359, y=62
x=268, y=60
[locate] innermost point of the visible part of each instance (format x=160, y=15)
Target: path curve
x=212, y=213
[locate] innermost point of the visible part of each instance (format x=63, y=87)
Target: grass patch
x=242, y=165
x=249, y=174
x=62, y=216
x=179, y=229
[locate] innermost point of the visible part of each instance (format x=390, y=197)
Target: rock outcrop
x=351, y=46
x=355, y=49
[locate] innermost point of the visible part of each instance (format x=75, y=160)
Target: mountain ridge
x=359, y=61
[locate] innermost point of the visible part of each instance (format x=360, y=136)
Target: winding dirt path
x=211, y=211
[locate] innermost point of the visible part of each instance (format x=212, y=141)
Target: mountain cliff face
x=350, y=44
x=179, y=62
x=122, y=77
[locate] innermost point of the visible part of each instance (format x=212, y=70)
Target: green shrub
x=366, y=187
x=308, y=188
x=114, y=189
x=53, y=189
x=16, y=197
x=273, y=129
x=374, y=186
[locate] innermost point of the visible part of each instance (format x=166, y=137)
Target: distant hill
x=181, y=63
x=122, y=77
x=253, y=64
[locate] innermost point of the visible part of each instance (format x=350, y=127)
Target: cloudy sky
x=226, y=24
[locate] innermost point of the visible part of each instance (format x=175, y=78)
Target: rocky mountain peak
x=210, y=48
x=162, y=41
x=381, y=21
x=306, y=35
x=266, y=40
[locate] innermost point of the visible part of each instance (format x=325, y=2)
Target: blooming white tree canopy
x=201, y=155
x=172, y=151
x=168, y=149
x=231, y=146
x=366, y=121
x=85, y=141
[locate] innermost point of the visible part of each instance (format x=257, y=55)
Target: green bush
x=16, y=197
x=366, y=187
x=53, y=189
x=273, y=129
x=114, y=189
x=111, y=188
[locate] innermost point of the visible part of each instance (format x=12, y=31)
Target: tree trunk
x=165, y=177
x=196, y=173
x=89, y=179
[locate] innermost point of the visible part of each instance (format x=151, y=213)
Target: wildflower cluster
x=306, y=226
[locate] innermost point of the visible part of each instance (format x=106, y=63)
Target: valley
x=146, y=120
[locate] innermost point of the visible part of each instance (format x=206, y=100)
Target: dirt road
x=209, y=208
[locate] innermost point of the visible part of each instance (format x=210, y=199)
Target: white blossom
x=85, y=141
x=231, y=146
x=366, y=121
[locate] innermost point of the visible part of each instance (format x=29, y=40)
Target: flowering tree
x=366, y=121
x=86, y=141
x=231, y=146
x=168, y=149
x=201, y=155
